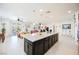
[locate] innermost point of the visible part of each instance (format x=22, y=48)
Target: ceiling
x=31, y=11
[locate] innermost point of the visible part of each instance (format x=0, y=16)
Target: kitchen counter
x=36, y=44
x=37, y=36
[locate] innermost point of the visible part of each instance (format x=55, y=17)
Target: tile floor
x=65, y=46
x=12, y=46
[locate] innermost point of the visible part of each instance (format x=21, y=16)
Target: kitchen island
x=38, y=44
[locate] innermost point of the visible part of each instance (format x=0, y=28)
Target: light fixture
x=34, y=10
x=48, y=11
x=43, y=13
x=69, y=11
x=34, y=24
x=41, y=10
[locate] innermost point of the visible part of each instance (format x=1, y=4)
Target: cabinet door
x=28, y=47
x=49, y=41
x=25, y=46
x=52, y=40
x=46, y=44
x=56, y=37
x=38, y=47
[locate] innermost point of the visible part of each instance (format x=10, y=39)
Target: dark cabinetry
x=41, y=46
x=38, y=47
x=28, y=47
x=49, y=42
x=46, y=44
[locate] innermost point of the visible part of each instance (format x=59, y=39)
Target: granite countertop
x=36, y=36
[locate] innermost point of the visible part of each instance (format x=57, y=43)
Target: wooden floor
x=65, y=46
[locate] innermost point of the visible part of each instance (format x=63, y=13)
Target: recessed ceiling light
x=33, y=24
x=69, y=11
x=41, y=10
